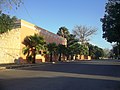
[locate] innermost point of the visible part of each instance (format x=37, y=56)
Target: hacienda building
x=11, y=42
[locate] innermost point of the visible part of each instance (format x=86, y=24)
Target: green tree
x=7, y=23
x=33, y=45
x=63, y=31
x=52, y=48
x=72, y=46
x=95, y=52
x=116, y=51
x=71, y=40
x=61, y=49
x=111, y=21
x=84, y=50
x=99, y=52
x=91, y=49
x=75, y=49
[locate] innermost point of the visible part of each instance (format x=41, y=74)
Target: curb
x=20, y=66
x=2, y=68
x=15, y=66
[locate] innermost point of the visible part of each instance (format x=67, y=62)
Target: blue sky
x=52, y=14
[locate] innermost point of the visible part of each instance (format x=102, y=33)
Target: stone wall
x=10, y=46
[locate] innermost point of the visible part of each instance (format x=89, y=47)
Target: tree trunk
x=67, y=57
x=50, y=57
x=34, y=54
x=59, y=57
x=27, y=57
x=33, y=61
x=71, y=57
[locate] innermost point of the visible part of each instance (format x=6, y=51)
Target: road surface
x=84, y=75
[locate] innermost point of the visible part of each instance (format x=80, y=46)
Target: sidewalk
x=13, y=66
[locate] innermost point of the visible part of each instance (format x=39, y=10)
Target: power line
x=28, y=14
x=10, y=5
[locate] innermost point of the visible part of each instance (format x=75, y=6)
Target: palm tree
x=61, y=50
x=33, y=45
x=52, y=47
x=63, y=31
x=71, y=45
x=26, y=51
x=74, y=49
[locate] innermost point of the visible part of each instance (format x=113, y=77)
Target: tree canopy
x=61, y=49
x=111, y=21
x=52, y=48
x=95, y=51
x=33, y=45
x=72, y=46
x=75, y=48
x=63, y=31
x=7, y=23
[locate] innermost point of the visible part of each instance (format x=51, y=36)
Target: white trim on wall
x=28, y=26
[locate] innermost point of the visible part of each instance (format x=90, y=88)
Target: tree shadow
x=57, y=83
x=91, y=69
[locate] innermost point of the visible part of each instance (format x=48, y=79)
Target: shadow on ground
x=57, y=83
x=78, y=68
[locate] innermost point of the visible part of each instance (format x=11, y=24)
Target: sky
x=53, y=14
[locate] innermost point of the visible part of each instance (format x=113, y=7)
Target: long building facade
x=11, y=42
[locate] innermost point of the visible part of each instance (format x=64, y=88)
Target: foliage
x=7, y=23
x=33, y=45
x=84, y=50
x=98, y=52
x=72, y=46
x=63, y=31
x=71, y=40
x=107, y=53
x=52, y=48
x=111, y=21
x=61, y=49
x=83, y=33
x=116, y=51
x=95, y=51
x=75, y=48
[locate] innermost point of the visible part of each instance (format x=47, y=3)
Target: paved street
x=84, y=75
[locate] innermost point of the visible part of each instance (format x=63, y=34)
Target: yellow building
x=11, y=42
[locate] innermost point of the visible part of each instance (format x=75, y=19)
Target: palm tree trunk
x=59, y=57
x=67, y=57
x=34, y=54
x=27, y=57
x=33, y=61
x=71, y=57
x=51, y=57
